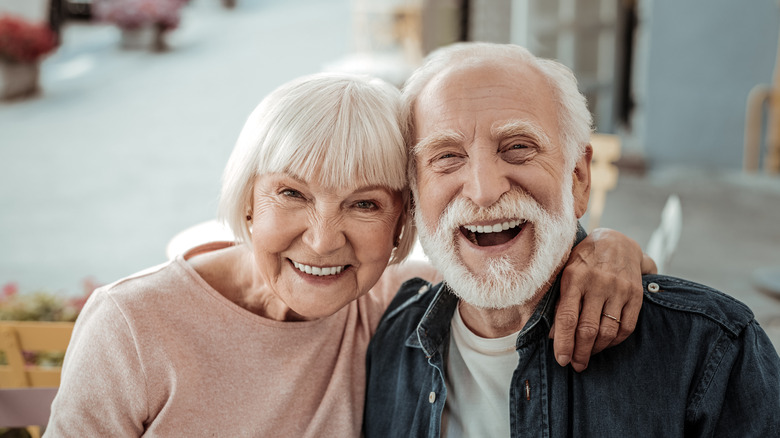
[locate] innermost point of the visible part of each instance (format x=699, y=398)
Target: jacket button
x=423, y=289
x=432, y=397
x=653, y=287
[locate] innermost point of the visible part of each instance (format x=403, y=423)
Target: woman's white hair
x=575, y=120
x=342, y=130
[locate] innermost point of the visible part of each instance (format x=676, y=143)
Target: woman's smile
x=319, y=271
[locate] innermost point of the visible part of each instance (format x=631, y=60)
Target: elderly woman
x=266, y=336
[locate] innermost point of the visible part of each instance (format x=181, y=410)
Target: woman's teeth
x=496, y=228
x=316, y=270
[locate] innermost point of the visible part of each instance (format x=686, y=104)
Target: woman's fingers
x=629, y=316
x=611, y=319
x=602, y=277
x=564, y=327
x=587, y=332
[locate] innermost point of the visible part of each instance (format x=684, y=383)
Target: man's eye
x=447, y=156
x=365, y=205
x=518, y=153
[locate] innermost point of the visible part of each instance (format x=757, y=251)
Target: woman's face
x=318, y=248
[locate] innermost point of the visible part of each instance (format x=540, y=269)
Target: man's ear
x=581, y=182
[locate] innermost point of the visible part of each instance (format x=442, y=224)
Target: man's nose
x=486, y=181
x=325, y=234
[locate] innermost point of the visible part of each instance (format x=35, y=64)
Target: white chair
x=26, y=391
x=663, y=241
x=196, y=235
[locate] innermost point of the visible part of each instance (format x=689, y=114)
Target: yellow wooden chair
x=26, y=391
x=603, y=174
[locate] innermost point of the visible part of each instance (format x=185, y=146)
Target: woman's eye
x=366, y=205
x=518, y=146
x=445, y=156
x=290, y=193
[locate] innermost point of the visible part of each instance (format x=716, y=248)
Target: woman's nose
x=324, y=235
x=485, y=181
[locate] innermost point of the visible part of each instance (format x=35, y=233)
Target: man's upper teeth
x=495, y=228
x=317, y=270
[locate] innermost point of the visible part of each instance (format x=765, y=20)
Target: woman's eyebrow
x=437, y=140
x=520, y=128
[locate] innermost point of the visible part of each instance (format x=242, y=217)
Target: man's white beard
x=503, y=284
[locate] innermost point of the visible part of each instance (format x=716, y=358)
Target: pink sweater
x=161, y=353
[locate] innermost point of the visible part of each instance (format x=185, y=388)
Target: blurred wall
x=696, y=63
x=693, y=64
x=33, y=10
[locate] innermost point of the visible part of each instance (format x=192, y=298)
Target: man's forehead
x=455, y=101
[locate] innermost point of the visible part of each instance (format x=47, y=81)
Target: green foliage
x=37, y=306
x=41, y=306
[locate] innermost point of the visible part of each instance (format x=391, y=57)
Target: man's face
x=496, y=207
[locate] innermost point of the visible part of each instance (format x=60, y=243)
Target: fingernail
x=579, y=367
x=563, y=360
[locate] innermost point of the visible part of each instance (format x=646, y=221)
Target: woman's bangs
x=350, y=153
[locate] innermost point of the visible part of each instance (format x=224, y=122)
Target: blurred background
x=117, y=117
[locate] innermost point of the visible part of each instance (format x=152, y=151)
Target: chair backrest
x=196, y=235
x=663, y=241
x=17, y=337
x=26, y=391
x=604, y=174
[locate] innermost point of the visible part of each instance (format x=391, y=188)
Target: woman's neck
x=232, y=272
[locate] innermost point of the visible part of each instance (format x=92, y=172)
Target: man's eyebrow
x=523, y=128
x=437, y=140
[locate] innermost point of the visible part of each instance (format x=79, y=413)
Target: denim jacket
x=698, y=364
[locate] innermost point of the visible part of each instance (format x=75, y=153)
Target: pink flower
x=10, y=289
x=21, y=41
x=130, y=14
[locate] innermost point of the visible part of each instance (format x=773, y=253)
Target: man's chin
x=498, y=284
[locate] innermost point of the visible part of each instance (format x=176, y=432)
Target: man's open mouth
x=490, y=235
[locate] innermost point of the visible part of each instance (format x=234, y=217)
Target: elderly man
x=501, y=174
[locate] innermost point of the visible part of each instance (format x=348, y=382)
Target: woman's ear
x=399, y=228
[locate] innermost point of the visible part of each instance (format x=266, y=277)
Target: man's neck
x=496, y=323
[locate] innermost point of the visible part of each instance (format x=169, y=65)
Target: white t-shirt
x=479, y=373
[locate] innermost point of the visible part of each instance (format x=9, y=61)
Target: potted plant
x=143, y=23
x=22, y=46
